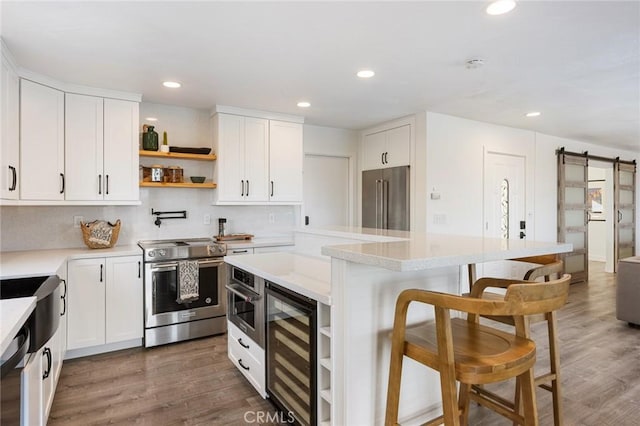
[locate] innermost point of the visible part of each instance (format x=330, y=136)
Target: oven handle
x=247, y=295
x=209, y=262
x=164, y=266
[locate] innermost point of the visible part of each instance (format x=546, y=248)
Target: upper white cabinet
x=285, y=161
x=10, y=154
x=101, y=149
x=388, y=148
x=241, y=145
x=41, y=142
x=259, y=160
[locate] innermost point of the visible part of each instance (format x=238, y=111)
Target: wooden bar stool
x=470, y=353
x=549, y=267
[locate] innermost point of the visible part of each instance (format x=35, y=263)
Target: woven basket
x=95, y=233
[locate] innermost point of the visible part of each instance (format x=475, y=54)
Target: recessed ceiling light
x=365, y=74
x=151, y=119
x=304, y=104
x=171, y=84
x=500, y=7
x=533, y=114
x=473, y=64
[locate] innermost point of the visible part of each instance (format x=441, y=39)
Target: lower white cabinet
x=105, y=301
x=40, y=375
x=248, y=357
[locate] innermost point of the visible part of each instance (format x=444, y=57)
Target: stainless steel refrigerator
x=385, y=198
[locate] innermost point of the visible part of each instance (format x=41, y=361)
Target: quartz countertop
x=413, y=251
x=259, y=242
x=32, y=263
x=306, y=275
x=13, y=314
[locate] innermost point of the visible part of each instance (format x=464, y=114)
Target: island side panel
x=363, y=308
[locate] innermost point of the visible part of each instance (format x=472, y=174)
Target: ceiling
x=578, y=62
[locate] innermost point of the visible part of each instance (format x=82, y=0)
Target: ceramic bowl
x=197, y=179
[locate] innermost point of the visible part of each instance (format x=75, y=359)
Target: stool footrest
x=505, y=411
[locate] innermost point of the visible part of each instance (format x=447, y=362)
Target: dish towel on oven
x=188, y=279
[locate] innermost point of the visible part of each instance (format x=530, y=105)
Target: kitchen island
x=369, y=268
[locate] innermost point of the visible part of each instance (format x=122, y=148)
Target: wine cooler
x=291, y=353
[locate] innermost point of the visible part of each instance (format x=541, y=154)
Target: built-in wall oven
x=291, y=353
x=168, y=318
x=245, y=300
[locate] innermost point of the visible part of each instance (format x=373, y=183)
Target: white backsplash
x=26, y=228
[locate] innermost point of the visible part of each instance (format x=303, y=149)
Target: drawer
x=238, y=251
x=250, y=362
x=237, y=338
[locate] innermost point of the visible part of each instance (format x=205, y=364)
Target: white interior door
x=504, y=206
x=326, y=190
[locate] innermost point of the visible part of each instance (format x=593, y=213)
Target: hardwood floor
x=194, y=383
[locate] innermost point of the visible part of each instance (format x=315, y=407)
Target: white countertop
x=305, y=275
x=259, y=242
x=418, y=251
x=13, y=314
x=33, y=263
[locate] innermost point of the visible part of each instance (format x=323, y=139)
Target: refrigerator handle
x=385, y=204
x=378, y=203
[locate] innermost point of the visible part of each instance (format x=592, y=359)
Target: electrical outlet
x=77, y=220
x=272, y=218
x=207, y=219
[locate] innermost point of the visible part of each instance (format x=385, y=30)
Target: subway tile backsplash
x=48, y=227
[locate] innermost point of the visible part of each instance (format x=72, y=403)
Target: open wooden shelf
x=205, y=185
x=158, y=154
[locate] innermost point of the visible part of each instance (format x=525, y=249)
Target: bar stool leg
x=554, y=355
x=463, y=403
x=530, y=412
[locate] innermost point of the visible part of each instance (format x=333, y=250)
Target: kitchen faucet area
x=197, y=229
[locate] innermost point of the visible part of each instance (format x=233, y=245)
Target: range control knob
x=152, y=253
x=162, y=252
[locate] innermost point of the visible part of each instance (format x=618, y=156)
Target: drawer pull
x=242, y=365
x=242, y=344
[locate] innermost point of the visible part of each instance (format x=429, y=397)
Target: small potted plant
x=165, y=143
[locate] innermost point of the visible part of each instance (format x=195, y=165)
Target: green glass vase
x=150, y=140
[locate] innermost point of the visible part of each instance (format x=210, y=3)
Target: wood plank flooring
x=194, y=383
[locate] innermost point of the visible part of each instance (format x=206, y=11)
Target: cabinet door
x=256, y=159
x=121, y=150
x=32, y=389
x=229, y=136
x=124, y=298
x=398, y=152
x=373, y=149
x=86, y=303
x=83, y=126
x=285, y=161
x=9, y=156
x=41, y=142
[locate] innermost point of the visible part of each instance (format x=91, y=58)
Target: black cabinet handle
x=14, y=178
x=619, y=216
x=101, y=266
x=64, y=299
x=386, y=160
x=99, y=184
x=242, y=344
x=247, y=187
x=138, y=269
x=242, y=195
x=240, y=251
x=272, y=188
x=47, y=353
x=62, y=179
x=242, y=365
x=306, y=220
x=382, y=158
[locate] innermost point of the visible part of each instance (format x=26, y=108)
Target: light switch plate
x=77, y=220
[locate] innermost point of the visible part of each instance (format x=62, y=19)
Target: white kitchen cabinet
x=285, y=161
x=388, y=148
x=105, y=301
x=248, y=357
x=242, y=169
x=101, y=149
x=40, y=377
x=10, y=153
x=239, y=251
x=41, y=142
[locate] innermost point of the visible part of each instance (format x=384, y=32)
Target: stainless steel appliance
x=11, y=391
x=385, y=198
x=245, y=294
x=291, y=353
x=165, y=319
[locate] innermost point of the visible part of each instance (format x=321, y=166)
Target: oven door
x=161, y=307
x=246, y=311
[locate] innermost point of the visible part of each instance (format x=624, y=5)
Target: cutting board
x=232, y=237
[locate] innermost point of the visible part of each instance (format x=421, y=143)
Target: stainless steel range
x=169, y=316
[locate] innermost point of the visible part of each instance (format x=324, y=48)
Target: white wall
x=455, y=149
x=598, y=230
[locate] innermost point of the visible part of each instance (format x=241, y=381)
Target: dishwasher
x=291, y=353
